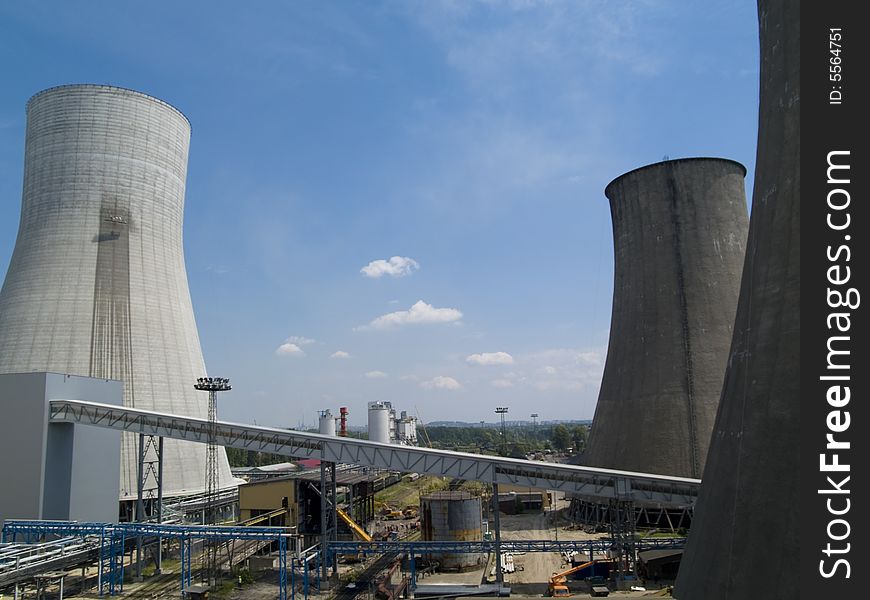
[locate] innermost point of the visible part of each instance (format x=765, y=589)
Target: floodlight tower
x=212, y=385
x=501, y=411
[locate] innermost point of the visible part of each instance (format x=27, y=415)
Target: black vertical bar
x=499, y=576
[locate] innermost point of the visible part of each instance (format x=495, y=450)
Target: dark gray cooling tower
x=679, y=232
x=97, y=284
x=746, y=533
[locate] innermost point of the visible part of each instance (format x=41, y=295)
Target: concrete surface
x=746, y=531
x=679, y=235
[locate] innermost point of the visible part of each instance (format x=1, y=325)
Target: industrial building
x=96, y=305
x=388, y=428
x=300, y=495
x=97, y=284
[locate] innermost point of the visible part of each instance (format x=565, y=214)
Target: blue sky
x=471, y=140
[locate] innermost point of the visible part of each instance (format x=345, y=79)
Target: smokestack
x=342, y=411
x=746, y=531
x=97, y=284
x=679, y=230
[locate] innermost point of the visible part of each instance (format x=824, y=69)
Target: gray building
x=97, y=284
x=56, y=470
x=679, y=235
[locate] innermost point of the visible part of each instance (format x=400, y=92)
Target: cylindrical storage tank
x=327, y=423
x=379, y=422
x=97, y=284
x=679, y=235
x=410, y=430
x=452, y=516
x=749, y=509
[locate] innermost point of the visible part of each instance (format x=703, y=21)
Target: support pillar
x=333, y=529
x=412, y=563
x=499, y=576
x=140, y=503
x=160, y=503
x=305, y=577
x=324, y=520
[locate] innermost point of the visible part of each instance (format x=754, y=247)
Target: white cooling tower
x=97, y=284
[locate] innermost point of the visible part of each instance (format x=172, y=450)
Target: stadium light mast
x=501, y=411
x=212, y=385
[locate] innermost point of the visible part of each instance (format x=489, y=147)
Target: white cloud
x=292, y=346
x=375, y=375
x=397, y=266
x=420, y=313
x=339, y=354
x=442, y=383
x=502, y=383
x=289, y=349
x=490, y=358
x=567, y=369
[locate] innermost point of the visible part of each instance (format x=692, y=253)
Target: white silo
x=327, y=423
x=97, y=284
x=406, y=429
x=379, y=422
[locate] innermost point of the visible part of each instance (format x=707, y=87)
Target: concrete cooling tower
x=97, y=284
x=748, y=510
x=679, y=231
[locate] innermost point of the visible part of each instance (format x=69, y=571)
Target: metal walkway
x=111, y=543
x=589, y=481
x=19, y=562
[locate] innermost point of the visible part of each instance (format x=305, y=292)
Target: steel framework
x=484, y=546
x=589, y=481
x=113, y=537
x=417, y=548
x=212, y=385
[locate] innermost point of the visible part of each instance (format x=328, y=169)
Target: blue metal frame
x=185, y=544
x=111, y=561
x=282, y=568
x=114, y=535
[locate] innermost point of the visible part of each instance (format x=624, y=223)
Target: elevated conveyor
x=589, y=481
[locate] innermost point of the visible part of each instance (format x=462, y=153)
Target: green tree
x=561, y=437
x=579, y=436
